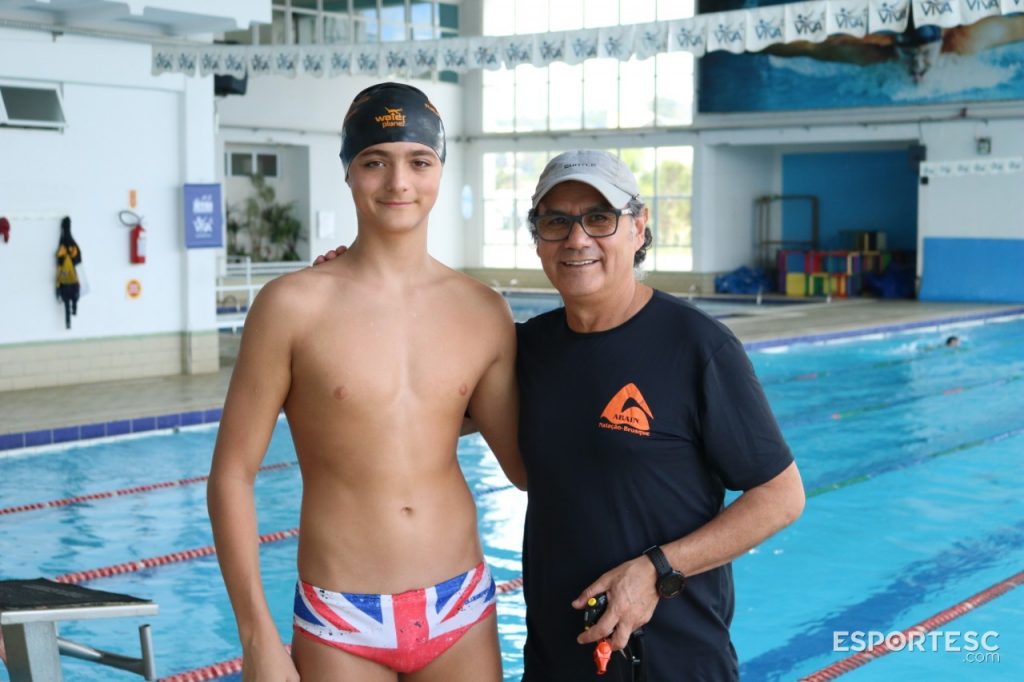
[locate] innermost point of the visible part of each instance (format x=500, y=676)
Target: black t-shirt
x=630, y=437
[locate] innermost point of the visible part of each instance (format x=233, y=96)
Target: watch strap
x=657, y=557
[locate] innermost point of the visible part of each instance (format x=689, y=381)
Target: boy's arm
x=259, y=387
x=494, y=405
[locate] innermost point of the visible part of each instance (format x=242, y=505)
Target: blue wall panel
x=973, y=270
x=857, y=191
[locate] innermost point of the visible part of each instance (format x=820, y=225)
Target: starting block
x=30, y=611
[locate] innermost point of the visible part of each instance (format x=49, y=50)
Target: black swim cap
x=390, y=112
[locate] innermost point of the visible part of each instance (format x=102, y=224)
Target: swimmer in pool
x=375, y=359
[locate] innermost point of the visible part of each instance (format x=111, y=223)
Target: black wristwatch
x=670, y=582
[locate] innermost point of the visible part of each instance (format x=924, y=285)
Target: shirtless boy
x=375, y=358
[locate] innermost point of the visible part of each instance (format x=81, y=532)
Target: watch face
x=671, y=585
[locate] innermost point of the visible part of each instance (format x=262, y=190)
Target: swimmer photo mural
x=978, y=62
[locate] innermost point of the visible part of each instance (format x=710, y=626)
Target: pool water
x=527, y=304
x=910, y=453
x=911, y=456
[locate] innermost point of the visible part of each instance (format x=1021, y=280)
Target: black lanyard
x=636, y=658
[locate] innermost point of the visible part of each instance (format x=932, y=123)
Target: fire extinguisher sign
x=204, y=216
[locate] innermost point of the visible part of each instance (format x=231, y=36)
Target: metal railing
x=238, y=282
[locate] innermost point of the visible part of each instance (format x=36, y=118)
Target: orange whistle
x=602, y=654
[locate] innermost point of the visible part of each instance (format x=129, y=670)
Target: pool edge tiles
x=107, y=429
x=764, y=344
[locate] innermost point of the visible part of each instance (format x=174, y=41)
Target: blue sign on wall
x=204, y=219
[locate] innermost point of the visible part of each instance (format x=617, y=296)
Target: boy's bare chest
x=389, y=359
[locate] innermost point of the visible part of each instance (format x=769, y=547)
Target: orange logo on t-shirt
x=628, y=411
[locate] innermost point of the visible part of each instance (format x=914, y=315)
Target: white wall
x=308, y=112
x=727, y=180
x=86, y=173
x=989, y=206
x=126, y=129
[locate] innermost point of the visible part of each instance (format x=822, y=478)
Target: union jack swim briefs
x=403, y=631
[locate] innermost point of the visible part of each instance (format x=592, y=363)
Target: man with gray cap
x=392, y=583
x=637, y=411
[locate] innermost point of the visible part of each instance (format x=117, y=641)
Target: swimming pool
x=910, y=453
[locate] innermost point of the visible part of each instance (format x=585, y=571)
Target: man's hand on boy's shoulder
x=330, y=255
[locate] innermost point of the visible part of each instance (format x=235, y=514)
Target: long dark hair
x=65, y=233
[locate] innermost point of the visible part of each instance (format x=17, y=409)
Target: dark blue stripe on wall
x=973, y=270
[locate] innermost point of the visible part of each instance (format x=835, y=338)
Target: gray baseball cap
x=605, y=172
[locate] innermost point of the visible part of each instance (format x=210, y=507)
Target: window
x=597, y=96
x=367, y=23
x=663, y=173
x=394, y=26
x=266, y=165
x=32, y=107
x=345, y=22
x=241, y=164
x=337, y=28
x=600, y=93
x=249, y=163
x=509, y=179
x=306, y=22
x=305, y=27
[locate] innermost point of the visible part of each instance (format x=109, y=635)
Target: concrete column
x=200, y=351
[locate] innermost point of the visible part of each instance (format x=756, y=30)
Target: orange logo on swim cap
x=393, y=118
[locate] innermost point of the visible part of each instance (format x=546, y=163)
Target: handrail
x=280, y=268
x=254, y=276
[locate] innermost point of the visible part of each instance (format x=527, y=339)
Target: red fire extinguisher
x=138, y=244
x=136, y=236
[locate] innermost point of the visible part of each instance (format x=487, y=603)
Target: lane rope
x=897, y=466
x=162, y=560
x=195, y=553
x=920, y=357
x=896, y=643
x=134, y=490
x=801, y=418
x=149, y=487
